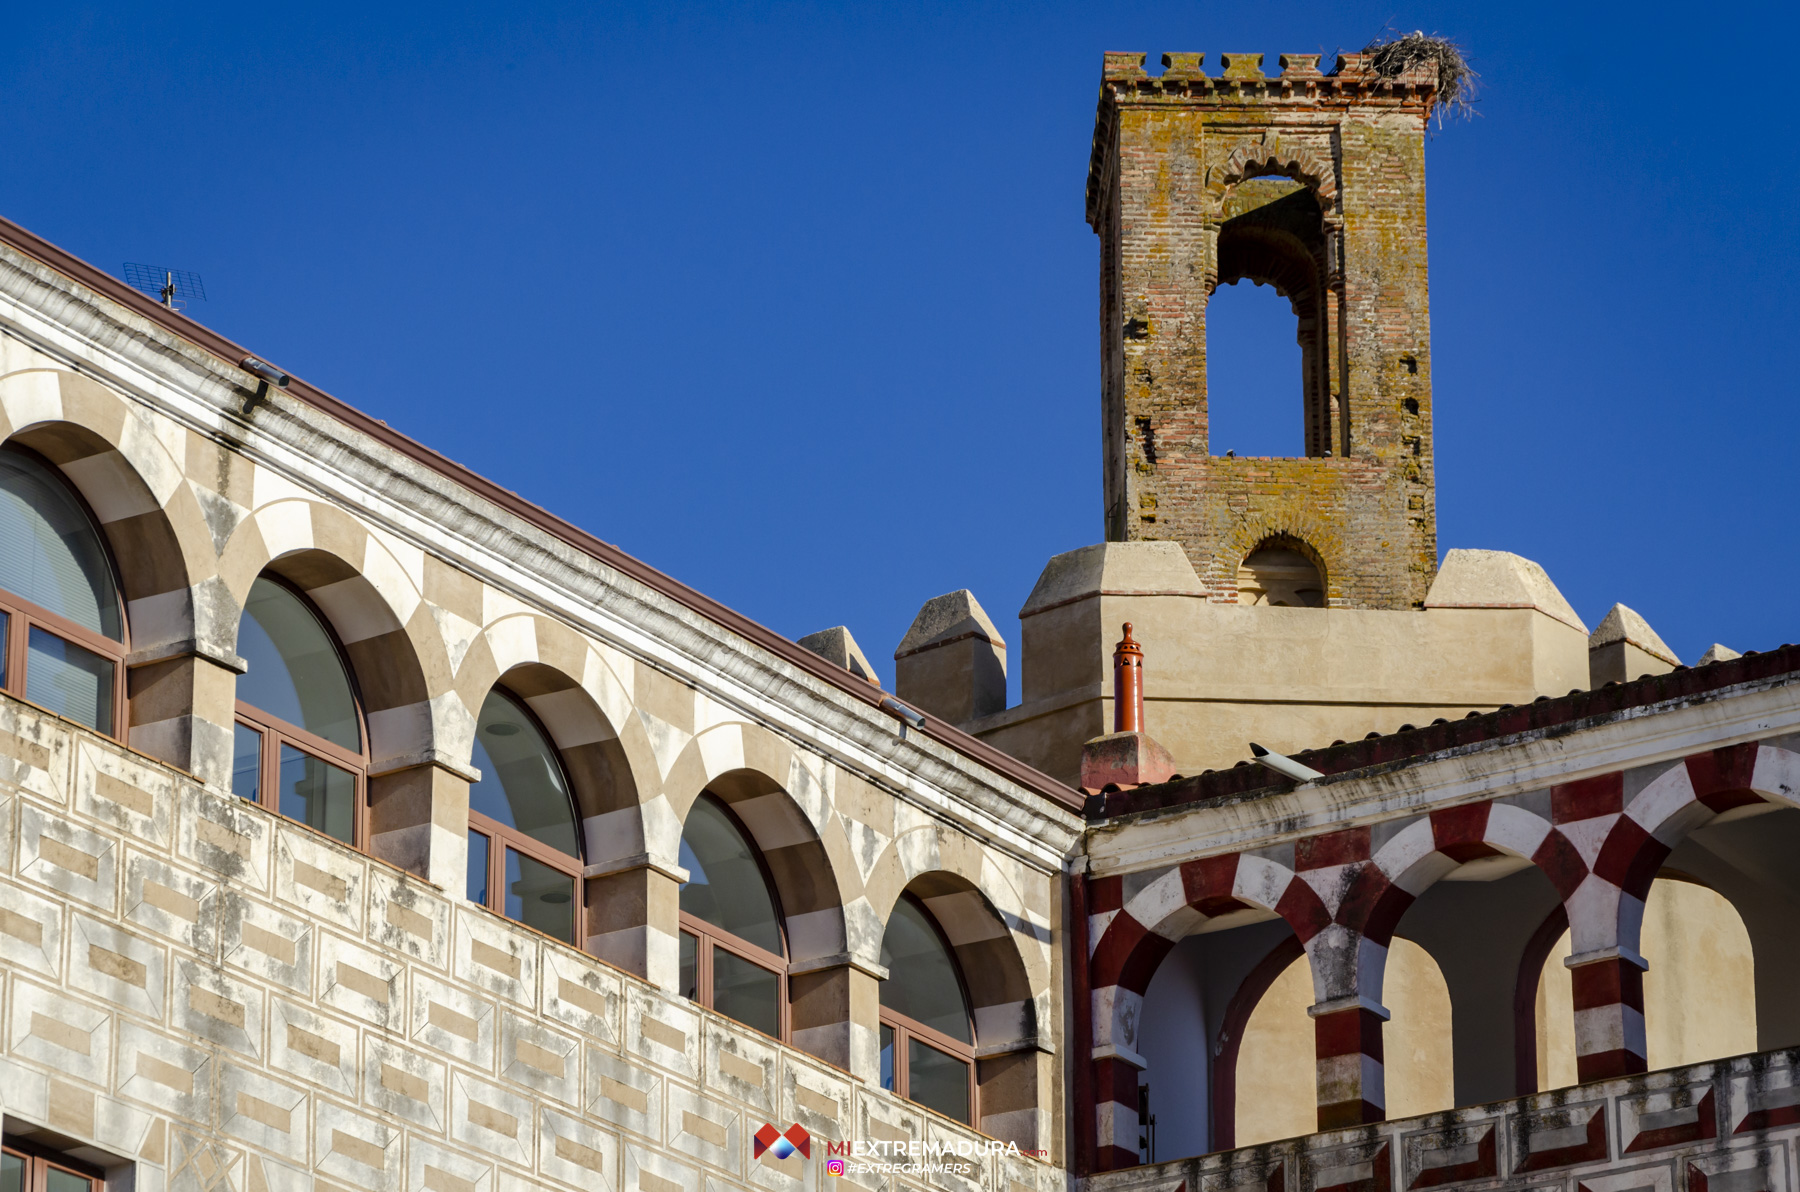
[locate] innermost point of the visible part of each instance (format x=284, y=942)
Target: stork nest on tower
x=1393, y=54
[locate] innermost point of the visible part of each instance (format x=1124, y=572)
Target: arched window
x=60, y=615
x=927, y=1033
x=300, y=749
x=733, y=951
x=524, y=843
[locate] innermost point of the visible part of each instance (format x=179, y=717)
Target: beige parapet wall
x=199, y=988
x=1494, y=630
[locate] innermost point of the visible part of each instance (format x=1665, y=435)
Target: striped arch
x=368, y=589
x=1686, y=797
x=778, y=792
x=133, y=482
x=1602, y=856
x=1419, y=855
x=1128, y=942
x=577, y=693
x=131, y=477
x=1003, y=952
x=1131, y=928
x=1004, y=956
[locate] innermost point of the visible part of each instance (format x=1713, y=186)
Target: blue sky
x=796, y=302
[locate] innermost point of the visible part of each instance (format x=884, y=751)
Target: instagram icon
x=834, y=1167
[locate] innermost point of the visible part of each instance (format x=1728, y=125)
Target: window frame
x=22, y=614
x=276, y=732
x=708, y=936
x=501, y=837
x=906, y=1029
x=39, y=1159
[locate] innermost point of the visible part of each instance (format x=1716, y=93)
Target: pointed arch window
x=61, y=617
x=524, y=837
x=300, y=747
x=733, y=944
x=927, y=1032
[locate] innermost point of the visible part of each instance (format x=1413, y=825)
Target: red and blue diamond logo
x=780, y=1144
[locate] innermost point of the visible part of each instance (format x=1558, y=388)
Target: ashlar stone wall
x=225, y=1000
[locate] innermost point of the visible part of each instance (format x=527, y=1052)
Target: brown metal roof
x=233, y=354
x=1378, y=749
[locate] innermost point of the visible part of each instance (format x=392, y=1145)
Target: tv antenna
x=174, y=288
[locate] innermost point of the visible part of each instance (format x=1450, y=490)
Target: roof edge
x=98, y=280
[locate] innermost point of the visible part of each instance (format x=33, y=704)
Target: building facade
x=363, y=826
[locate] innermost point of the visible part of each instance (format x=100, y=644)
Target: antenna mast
x=174, y=288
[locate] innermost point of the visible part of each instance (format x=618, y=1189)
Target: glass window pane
x=50, y=552
x=938, y=1080
x=887, y=1058
x=246, y=762
x=69, y=680
x=294, y=672
x=479, y=843
x=690, y=966
x=725, y=884
x=12, y=1173
x=317, y=793
x=5, y=624
x=747, y=992
x=922, y=980
x=58, y=1180
x=539, y=896
x=522, y=784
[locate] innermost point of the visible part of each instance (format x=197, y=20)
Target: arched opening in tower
x=1264, y=341
x=1279, y=573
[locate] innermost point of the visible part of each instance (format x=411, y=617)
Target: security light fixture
x=1287, y=767
x=902, y=713
x=266, y=371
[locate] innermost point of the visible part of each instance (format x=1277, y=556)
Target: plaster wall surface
x=1217, y=676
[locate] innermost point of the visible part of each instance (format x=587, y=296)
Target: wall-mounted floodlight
x=902, y=713
x=1287, y=767
x=266, y=371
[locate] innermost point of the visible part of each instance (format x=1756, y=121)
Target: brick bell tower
x=1313, y=183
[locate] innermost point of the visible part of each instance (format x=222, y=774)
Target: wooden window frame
x=22, y=614
x=276, y=732
x=708, y=936
x=40, y=1159
x=906, y=1029
x=500, y=838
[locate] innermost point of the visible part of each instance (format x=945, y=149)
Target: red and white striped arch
x=1131, y=933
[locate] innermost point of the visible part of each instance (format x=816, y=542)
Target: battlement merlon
x=1242, y=84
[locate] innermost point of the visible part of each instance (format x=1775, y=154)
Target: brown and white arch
x=124, y=462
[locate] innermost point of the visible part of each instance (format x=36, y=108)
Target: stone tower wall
x=1180, y=194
